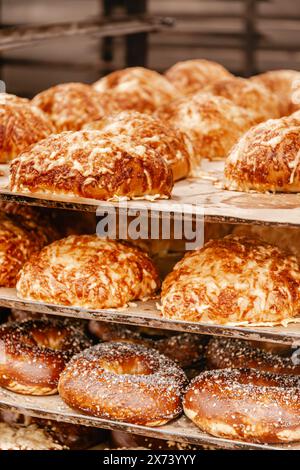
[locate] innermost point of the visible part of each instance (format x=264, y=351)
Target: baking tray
x=179, y=430
x=205, y=192
x=146, y=314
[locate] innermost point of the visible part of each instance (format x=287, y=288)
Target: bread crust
x=212, y=123
x=266, y=158
x=137, y=88
x=173, y=146
x=71, y=105
x=124, y=382
x=21, y=125
x=249, y=95
x=190, y=76
x=90, y=272
x=227, y=353
x=35, y=352
x=245, y=404
x=93, y=165
x=281, y=82
x=234, y=280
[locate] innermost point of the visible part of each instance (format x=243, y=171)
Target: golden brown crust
x=212, y=123
x=71, y=105
x=190, y=76
x=286, y=238
x=245, y=404
x=7, y=98
x=35, y=352
x=184, y=348
x=19, y=239
x=281, y=82
x=233, y=280
x=137, y=88
x=266, y=158
x=93, y=165
x=143, y=129
x=90, y=272
x=125, y=382
x=224, y=353
x=21, y=125
x=248, y=94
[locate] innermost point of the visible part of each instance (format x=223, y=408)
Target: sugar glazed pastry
x=137, y=88
x=227, y=353
x=212, y=123
x=191, y=76
x=124, y=382
x=233, y=280
x=90, y=272
x=18, y=241
x=93, y=165
x=21, y=126
x=249, y=95
x=71, y=105
x=35, y=352
x=245, y=404
x=143, y=129
x=281, y=83
x=266, y=158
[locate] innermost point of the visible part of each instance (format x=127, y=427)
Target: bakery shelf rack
x=179, y=430
x=22, y=36
x=146, y=314
x=203, y=194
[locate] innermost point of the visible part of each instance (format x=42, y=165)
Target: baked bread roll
x=142, y=129
x=30, y=437
x=233, y=280
x=248, y=94
x=93, y=165
x=137, y=88
x=71, y=105
x=17, y=243
x=286, y=238
x=213, y=124
x=266, y=158
x=7, y=98
x=281, y=83
x=21, y=125
x=90, y=272
x=190, y=76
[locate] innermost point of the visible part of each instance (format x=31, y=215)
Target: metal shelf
x=146, y=314
x=204, y=193
x=22, y=36
x=179, y=430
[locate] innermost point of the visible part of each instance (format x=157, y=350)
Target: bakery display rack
x=204, y=195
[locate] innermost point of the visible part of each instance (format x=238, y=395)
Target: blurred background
x=247, y=36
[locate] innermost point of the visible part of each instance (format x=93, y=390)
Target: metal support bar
x=22, y=36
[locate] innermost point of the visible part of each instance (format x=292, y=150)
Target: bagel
x=124, y=382
x=245, y=404
x=223, y=353
x=183, y=348
x=34, y=353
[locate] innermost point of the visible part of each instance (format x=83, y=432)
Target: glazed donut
x=34, y=353
x=124, y=382
x=185, y=349
x=223, y=353
x=245, y=404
